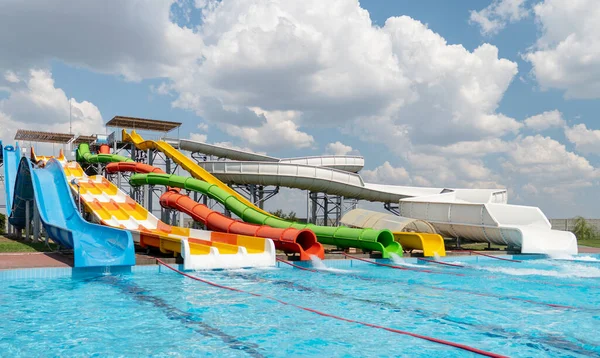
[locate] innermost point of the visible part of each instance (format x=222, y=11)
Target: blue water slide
x=93, y=245
x=10, y=157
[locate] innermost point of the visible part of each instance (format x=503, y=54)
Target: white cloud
x=566, y=54
x=278, y=131
x=203, y=127
x=495, y=16
x=35, y=103
x=327, y=62
x=163, y=89
x=534, y=164
x=530, y=189
x=545, y=120
x=432, y=170
x=549, y=166
x=455, y=91
x=453, y=171
x=339, y=148
x=279, y=55
x=541, y=168
x=233, y=146
x=478, y=148
x=135, y=39
x=11, y=77
x=265, y=71
x=387, y=174
x=472, y=169
x=198, y=137
x=585, y=140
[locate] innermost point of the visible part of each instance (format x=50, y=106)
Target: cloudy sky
x=432, y=93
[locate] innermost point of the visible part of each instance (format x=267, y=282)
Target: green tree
x=2, y=223
x=289, y=216
x=583, y=230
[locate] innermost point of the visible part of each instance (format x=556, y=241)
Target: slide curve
x=83, y=155
x=329, y=174
x=333, y=182
x=514, y=225
x=303, y=242
x=186, y=163
x=293, y=240
x=366, y=239
x=93, y=245
x=200, y=249
x=348, y=163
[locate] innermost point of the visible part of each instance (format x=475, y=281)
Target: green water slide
x=84, y=155
x=341, y=236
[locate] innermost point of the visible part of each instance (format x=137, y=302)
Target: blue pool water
x=495, y=306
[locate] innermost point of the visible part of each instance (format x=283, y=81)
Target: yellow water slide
x=430, y=244
x=200, y=249
x=44, y=159
x=412, y=234
x=186, y=163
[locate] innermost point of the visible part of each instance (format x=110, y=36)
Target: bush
x=584, y=231
x=291, y=216
x=2, y=223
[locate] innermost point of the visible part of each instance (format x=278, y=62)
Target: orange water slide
x=292, y=240
x=104, y=149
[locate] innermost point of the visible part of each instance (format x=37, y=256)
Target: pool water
x=501, y=307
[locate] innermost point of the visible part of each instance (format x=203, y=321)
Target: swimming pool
x=531, y=308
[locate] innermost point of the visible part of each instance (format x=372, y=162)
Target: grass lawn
x=590, y=243
x=11, y=245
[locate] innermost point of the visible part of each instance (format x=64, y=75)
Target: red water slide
x=289, y=240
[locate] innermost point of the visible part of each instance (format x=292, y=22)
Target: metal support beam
x=392, y=208
x=37, y=223
x=27, y=219
x=325, y=209
x=166, y=213
x=261, y=196
x=256, y=194
x=132, y=190
x=149, y=189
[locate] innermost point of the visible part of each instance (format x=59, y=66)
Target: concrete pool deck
x=15, y=260
x=589, y=250
x=19, y=260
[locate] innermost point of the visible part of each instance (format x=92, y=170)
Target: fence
x=569, y=224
